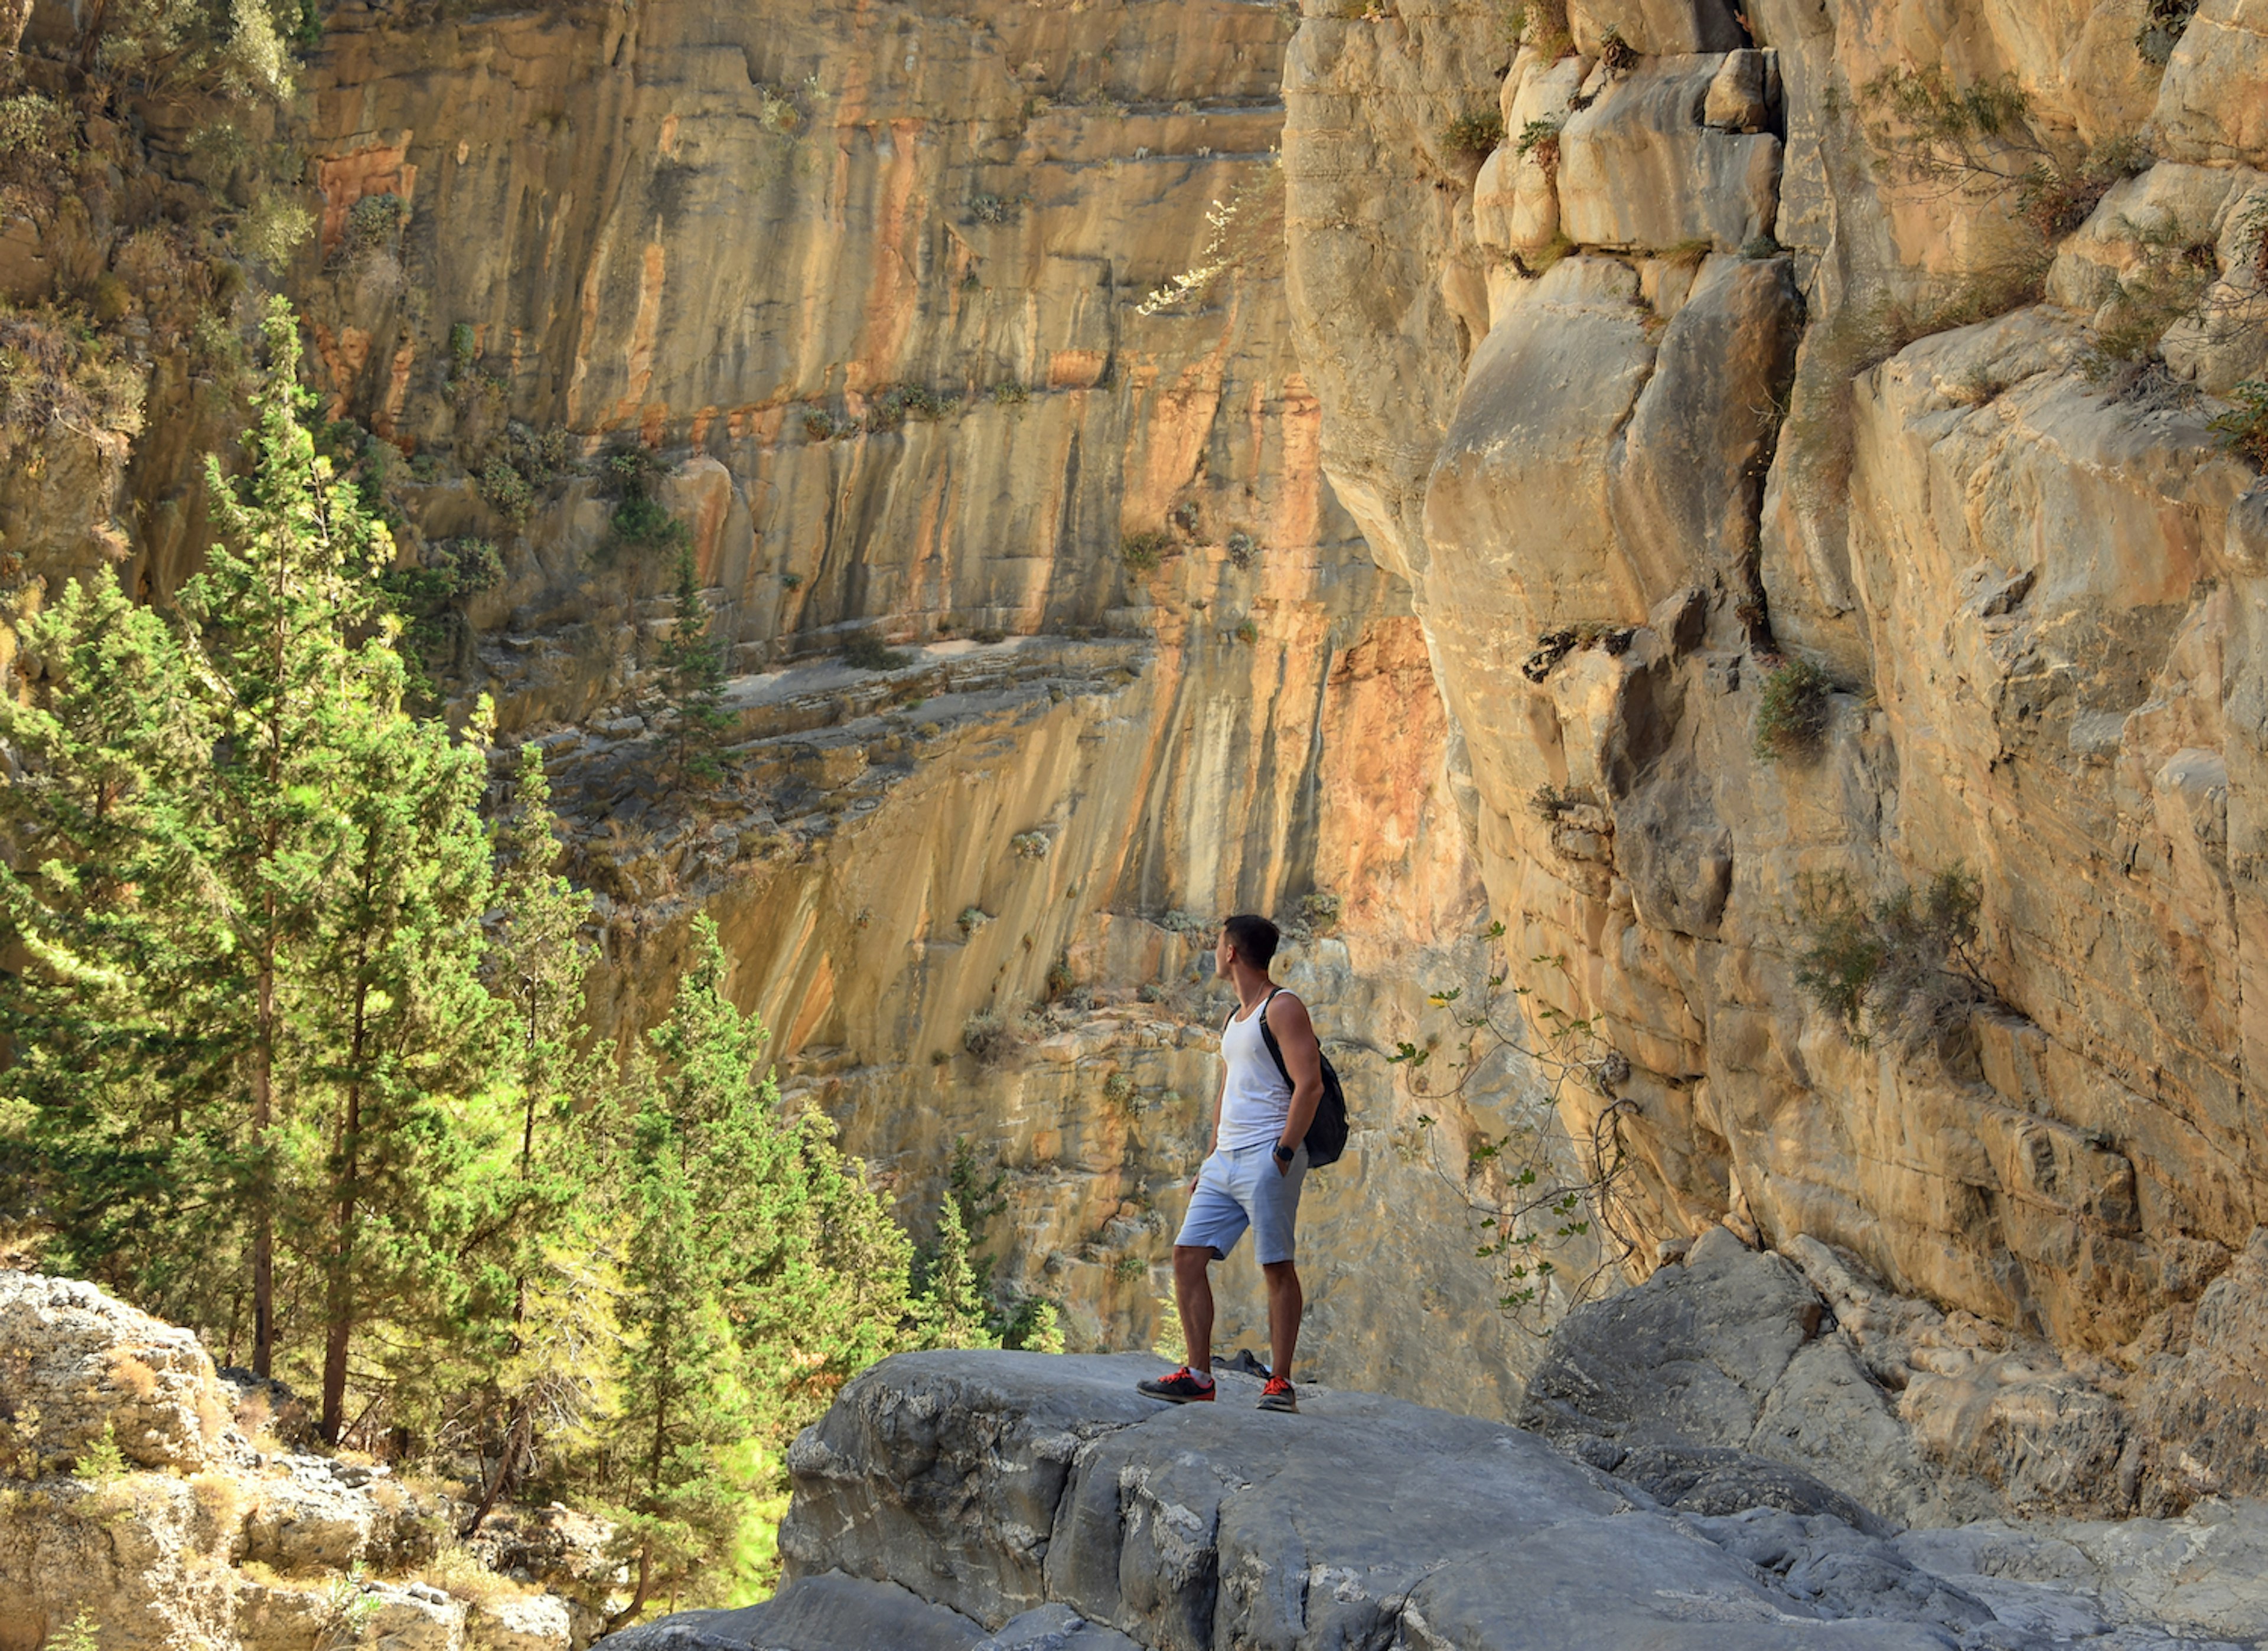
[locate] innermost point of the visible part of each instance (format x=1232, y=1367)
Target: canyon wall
x=1748, y=342
x=871, y=283
x=874, y=281
x=1422, y=552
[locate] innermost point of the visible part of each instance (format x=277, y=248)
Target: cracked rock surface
x=1039, y=1500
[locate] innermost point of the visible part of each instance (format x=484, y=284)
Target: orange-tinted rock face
x=871, y=279
x=1649, y=470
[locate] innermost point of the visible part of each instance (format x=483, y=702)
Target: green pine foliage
x=760, y=1272
x=302, y=1058
x=693, y=666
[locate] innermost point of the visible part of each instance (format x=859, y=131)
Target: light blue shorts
x=1242, y=1187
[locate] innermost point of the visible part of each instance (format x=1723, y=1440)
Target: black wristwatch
x=1284, y=1154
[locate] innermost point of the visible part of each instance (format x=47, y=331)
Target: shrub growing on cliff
x=1541, y=1197
x=2243, y=429
x=1901, y=960
x=1539, y=141
x=867, y=651
x=1142, y=551
x=1476, y=133
x=693, y=674
x=1792, y=712
x=640, y=523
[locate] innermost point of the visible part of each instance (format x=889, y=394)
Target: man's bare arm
x=1303, y=1058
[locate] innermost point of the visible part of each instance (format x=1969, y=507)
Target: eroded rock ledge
x=967, y=1499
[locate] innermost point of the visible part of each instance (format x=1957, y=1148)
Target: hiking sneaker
x=1277, y=1395
x=1184, y=1386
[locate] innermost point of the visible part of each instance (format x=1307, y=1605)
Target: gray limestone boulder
x=987, y=1502
x=1641, y=167
x=834, y=1612
x=1039, y=1500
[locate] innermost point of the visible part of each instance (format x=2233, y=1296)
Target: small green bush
x=1247, y=631
x=894, y=405
x=1142, y=551
x=985, y=207
x=371, y=225
x=1616, y=56
x=1792, y=713
x=102, y=1461
x=273, y=228
x=1475, y=132
x=462, y=352
x=1243, y=549
x=1031, y=845
x=1760, y=246
x=1320, y=912
x=507, y=491
x=1539, y=141
x=988, y=1036
x=82, y=1633
x=2243, y=429
x=1010, y=394
x=867, y=651
x=1900, y=961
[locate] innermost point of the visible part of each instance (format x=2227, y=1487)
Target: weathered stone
x=829, y=1611
x=2208, y=104
x=1639, y=168
x=1689, y=1356
x=1652, y=27
x=1369, y=1521
x=75, y=1364
x=305, y=1520
x=1687, y=481
x=1523, y=467
x=538, y=1622
x=1744, y=96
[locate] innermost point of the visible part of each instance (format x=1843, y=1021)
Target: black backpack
x=1327, y=1130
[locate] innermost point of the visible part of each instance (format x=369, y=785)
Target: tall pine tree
x=693, y=661
x=761, y=1272
x=252, y=885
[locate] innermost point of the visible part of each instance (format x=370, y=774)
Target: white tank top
x=1256, y=1100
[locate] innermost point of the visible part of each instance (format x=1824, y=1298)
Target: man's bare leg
x=1285, y=1302
x=1193, y=1298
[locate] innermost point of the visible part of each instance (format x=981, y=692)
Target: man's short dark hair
x=1255, y=938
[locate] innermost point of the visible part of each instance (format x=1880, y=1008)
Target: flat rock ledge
x=1008, y=1501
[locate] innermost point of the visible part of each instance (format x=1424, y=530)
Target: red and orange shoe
x=1277, y=1395
x=1184, y=1386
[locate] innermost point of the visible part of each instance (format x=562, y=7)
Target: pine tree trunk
x=338, y=1305
x=263, y=1211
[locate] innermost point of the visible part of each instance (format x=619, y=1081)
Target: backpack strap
x=1268, y=1037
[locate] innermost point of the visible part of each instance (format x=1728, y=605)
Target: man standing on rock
x=1251, y=1177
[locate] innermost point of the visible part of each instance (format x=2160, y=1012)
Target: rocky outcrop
x=948, y=1497
x=142, y=1495
x=1712, y=368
